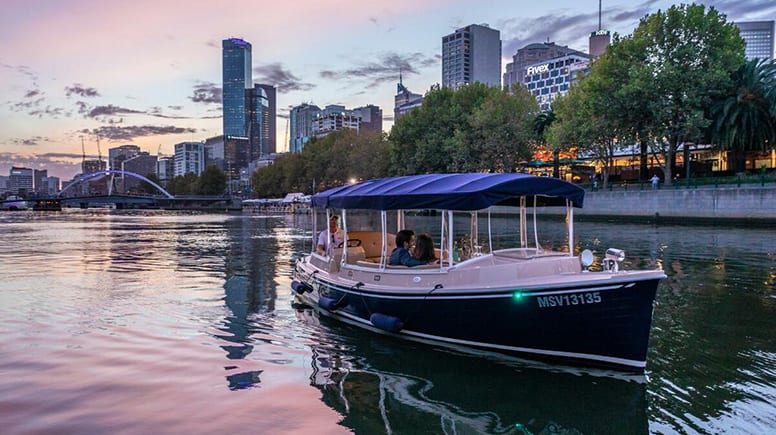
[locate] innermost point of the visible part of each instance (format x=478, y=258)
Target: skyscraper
x=471, y=54
x=262, y=111
x=236, y=76
x=404, y=101
x=301, y=124
x=758, y=36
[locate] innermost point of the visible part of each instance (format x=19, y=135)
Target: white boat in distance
x=522, y=300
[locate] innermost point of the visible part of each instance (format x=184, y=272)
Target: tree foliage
x=474, y=128
x=656, y=85
x=212, y=181
x=327, y=162
x=745, y=117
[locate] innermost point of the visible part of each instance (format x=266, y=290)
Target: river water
x=158, y=322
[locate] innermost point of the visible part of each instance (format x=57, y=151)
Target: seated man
x=331, y=238
x=401, y=253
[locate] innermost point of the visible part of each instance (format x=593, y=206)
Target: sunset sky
x=149, y=72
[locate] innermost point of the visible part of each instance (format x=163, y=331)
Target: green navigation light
x=517, y=296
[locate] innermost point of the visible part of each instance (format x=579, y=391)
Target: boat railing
x=527, y=253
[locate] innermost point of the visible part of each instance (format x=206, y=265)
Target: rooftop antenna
x=599, y=14
x=83, y=151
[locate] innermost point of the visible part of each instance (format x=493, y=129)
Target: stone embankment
x=714, y=205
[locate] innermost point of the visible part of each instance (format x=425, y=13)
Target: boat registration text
x=566, y=300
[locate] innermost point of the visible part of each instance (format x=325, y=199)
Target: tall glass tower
x=237, y=78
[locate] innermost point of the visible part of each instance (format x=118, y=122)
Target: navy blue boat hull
x=596, y=325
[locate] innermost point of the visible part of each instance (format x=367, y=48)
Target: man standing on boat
x=331, y=237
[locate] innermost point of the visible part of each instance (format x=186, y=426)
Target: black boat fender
x=329, y=304
x=300, y=287
x=386, y=322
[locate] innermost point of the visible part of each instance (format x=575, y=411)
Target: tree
x=745, y=117
x=212, y=181
x=187, y=184
x=474, y=128
x=541, y=127
x=686, y=56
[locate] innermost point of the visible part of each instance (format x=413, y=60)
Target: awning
x=472, y=191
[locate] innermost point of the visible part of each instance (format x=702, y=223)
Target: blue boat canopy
x=472, y=191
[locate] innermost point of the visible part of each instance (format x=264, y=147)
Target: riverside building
x=758, y=36
x=533, y=54
x=471, y=54
x=546, y=80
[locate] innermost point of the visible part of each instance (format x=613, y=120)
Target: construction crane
x=99, y=153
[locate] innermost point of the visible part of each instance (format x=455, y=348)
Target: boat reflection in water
x=379, y=387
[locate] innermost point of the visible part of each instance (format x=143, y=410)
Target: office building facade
x=237, y=78
x=546, y=80
x=532, y=54
x=20, y=181
x=300, y=121
x=121, y=153
x=165, y=168
x=759, y=38
x=370, y=118
x=332, y=118
x=404, y=101
x=471, y=54
x=189, y=157
x=262, y=115
x=142, y=164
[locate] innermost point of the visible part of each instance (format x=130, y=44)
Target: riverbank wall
x=715, y=205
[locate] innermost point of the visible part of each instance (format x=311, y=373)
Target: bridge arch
x=86, y=177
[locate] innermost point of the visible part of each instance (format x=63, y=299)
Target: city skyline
x=127, y=75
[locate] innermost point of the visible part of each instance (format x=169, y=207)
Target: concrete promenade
x=704, y=204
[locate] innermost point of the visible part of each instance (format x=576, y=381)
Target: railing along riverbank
x=728, y=201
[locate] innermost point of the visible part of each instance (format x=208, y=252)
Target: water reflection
x=380, y=385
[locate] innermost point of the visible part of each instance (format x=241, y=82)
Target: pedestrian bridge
x=93, y=175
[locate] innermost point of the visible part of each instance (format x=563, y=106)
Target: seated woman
x=401, y=253
x=424, y=249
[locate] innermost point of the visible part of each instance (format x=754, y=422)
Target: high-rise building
x=546, y=80
x=189, y=157
x=53, y=185
x=165, y=168
x=404, y=101
x=262, y=115
x=90, y=166
x=236, y=76
x=471, y=54
x=334, y=117
x=121, y=153
x=230, y=154
x=759, y=36
x=600, y=39
x=20, y=181
x=301, y=125
x=142, y=164
x=532, y=54
x=371, y=117
x=39, y=181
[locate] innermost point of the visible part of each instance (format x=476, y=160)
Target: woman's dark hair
x=424, y=248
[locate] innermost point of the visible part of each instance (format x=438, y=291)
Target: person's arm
x=405, y=259
x=322, y=242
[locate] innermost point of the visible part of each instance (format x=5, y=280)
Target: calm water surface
x=157, y=322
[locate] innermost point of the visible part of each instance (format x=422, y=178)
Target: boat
x=14, y=203
x=522, y=299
